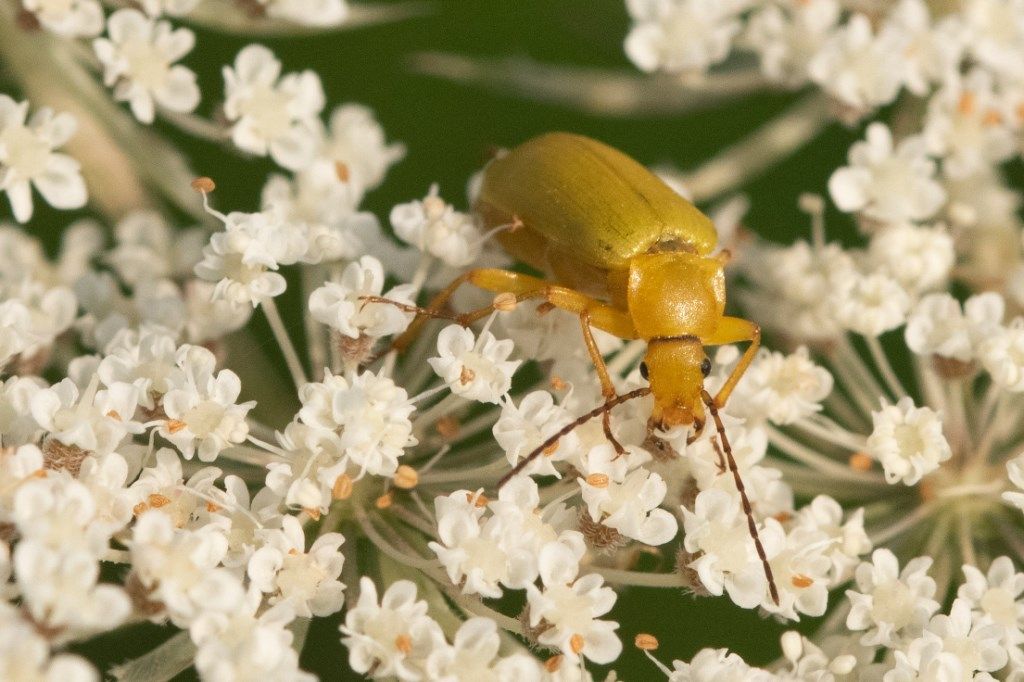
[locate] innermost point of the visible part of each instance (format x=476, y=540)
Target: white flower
x=476, y=369
x=392, y=638
x=434, y=227
x=976, y=645
x=473, y=656
x=60, y=589
x=162, y=487
x=148, y=248
x=68, y=18
x=965, y=126
x=938, y=326
x=801, y=570
x=995, y=34
x=920, y=258
x=931, y=51
x=717, y=529
x=144, y=359
x=781, y=388
x=339, y=305
x=628, y=503
x=908, y=441
x=891, y=605
x=570, y=606
x=681, y=35
x=856, y=67
x=315, y=461
x=308, y=582
x=202, y=416
x=325, y=209
x=846, y=541
x=272, y=114
x=242, y=259
x=887, y=184
x=996, y=598
x=520, y=429
x=180, y=568
x=17, y=426
x=238, y=645
x=27, y=158
x=308, y=12
x=59, y=513
x=718, y=665
x=210, y=318
x=93, y=420
x=357, y=141
x=871, y=304
x=1002, y=355
x=788, y=34
x=369, y=414
x=138, y=62
x=26, y=655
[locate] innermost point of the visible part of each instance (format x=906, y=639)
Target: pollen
x=342, y=488
x=576, y=643
x=156, y=500
x=341, y=171
x=114, y=415
x=204, y=185
x=558, y=383
x=404, y=644
x=550, y=450
x=966, y=104
x=478, y=501
x=384, y=501
x=406, y=477
x=174, y=425
x=212, y=508
x=646, y=642
x=448, y=427
x=597, y=480
x=466, y=375
x=860, y=461
x=312, y=513
x=801, y=581
x=553, y=664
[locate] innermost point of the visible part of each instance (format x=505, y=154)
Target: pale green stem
x=885, y=368
x=316, y=334
x=638, y=578
x=906, y=523
x=291, y=357
x=807, y=456
x=829, y=431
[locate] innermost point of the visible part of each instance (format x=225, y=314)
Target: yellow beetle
x=629, y=256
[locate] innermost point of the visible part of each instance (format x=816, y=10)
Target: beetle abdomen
x=589, y=200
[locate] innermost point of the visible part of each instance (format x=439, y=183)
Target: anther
x=801, y=581
x=342, y=488
x=597, y=480
x=406, y=477
x=404, y=644
x=553, y=664
x=860, y=461
x=576, y=643
x=448, y=427
x=384, y=501
x=204, y=185
x=646, y=642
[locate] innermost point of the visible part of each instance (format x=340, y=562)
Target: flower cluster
x=158, y=465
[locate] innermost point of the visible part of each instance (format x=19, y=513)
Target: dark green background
x=448, y=129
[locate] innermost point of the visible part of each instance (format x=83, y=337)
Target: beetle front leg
x=735, y=330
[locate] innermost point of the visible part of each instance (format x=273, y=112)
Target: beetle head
x=676, y=367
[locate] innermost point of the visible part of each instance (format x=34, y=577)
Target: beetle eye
x=705, y=367
x=643, y=371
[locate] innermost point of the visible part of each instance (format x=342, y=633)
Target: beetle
x=628, y=255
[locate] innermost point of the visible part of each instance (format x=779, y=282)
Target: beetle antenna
x=565, y=430
x=747, y=509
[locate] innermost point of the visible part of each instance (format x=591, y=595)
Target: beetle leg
x=734, y=330
x=607, y=387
